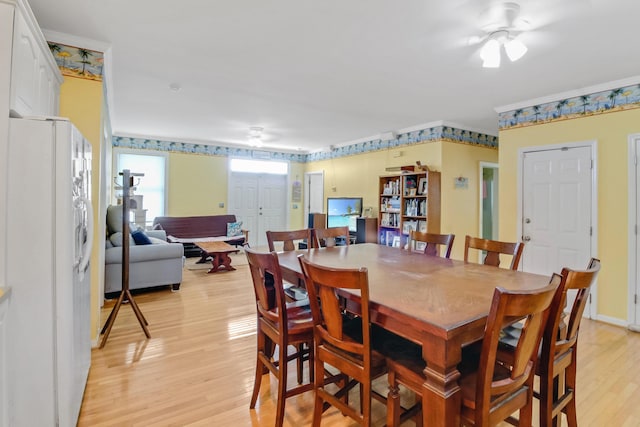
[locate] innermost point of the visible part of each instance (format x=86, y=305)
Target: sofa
x=156, y=264
x=189, y=229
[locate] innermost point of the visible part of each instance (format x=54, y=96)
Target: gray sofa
x=150, y=265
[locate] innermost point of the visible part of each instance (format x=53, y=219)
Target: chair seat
x=299, y=320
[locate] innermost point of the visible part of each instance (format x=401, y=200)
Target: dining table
x=441, y=304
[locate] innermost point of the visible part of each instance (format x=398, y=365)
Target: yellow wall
x=81, y=101
x=611, y=132
x=460, y=206
x=197, y=184
x=358, y=176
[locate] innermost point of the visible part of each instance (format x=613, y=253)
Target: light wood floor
x=198, y=367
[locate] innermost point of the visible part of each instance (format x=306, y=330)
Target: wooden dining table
x=439, y=303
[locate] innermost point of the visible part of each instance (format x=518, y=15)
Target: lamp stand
x=125, y=293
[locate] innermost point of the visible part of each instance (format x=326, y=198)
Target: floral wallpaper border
x=436, y=133
x=606, y=101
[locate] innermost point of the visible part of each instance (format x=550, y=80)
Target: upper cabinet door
x=35, y=82
x=25, y=81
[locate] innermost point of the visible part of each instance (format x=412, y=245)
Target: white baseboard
x=612, y=320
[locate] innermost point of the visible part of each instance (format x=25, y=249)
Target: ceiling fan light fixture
x=490, y=53
x=515, y=49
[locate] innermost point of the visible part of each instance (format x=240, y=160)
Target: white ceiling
x=329, y=72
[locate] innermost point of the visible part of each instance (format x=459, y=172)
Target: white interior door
x=260, y=202
x=557, y=210
x=313, y=194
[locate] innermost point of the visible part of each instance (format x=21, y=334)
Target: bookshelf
x=408, y=200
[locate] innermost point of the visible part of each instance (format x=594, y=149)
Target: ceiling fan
x=503, y=26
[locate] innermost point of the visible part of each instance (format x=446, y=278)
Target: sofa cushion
x=114, y=219
x=140, y=237
x=116, y=239
x=157, y=241
x=234, y=229
x=142, y=253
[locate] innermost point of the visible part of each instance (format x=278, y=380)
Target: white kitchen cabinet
x=35, y=79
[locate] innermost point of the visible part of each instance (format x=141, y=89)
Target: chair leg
x=546, y=401
x=525, y=418
x=312, y=367
x=299, y=361
x=393, y=401
x=282, y=383
x=365, y=398
x=570, y=387
x=319, y=384
x=260, y=368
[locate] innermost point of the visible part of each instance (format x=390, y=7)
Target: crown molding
x=570, y=94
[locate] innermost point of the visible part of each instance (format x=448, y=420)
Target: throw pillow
x=234, y=229
x=140, y=237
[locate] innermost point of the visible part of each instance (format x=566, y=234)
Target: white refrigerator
x=49, y=238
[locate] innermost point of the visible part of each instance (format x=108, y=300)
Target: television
x=343, y=211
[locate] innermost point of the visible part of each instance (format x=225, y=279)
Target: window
x=152, y=186
x=258, y=166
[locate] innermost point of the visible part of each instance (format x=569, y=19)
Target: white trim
x=306, y=190
x=114, y=165
x=593, y=145
x=570, y=94
x=76, y=41
x=632, y=202
x=612, y=321
x=482, y=166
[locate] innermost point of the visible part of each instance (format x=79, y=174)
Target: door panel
x=556, y=207
x=259, y=201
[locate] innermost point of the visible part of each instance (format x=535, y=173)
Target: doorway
x=558, y=209
x=488, y=196
x=634, y=240
x=259, y=200
x=313, y=194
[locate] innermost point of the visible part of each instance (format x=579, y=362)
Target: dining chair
x=557, y=364
x=432, y=242
x=326, y=237
x=491, y=391
x=287, y=238
x=342, y=341
x=281, y=325
x=493, y=249
x=495, y=390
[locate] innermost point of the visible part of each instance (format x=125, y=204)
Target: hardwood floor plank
x=197, y=369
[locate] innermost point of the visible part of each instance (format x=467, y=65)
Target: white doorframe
x=483, y=166
x=307, y=192
x=632, y=267
x=593, y=145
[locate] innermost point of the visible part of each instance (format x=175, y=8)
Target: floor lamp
x=125, y=293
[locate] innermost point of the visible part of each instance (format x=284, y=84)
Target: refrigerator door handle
x=86, y=254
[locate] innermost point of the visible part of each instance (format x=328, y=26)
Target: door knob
x=526, y=238
x=527, y=220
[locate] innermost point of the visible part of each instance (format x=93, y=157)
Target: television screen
x=343, y=211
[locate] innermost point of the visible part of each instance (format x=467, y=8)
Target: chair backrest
x=267, y=285
x=287, y=238
x=322, y=285
x=327, y=236
x=494, y=248
x=580, y=281
x=432, y=242
x=493, y=386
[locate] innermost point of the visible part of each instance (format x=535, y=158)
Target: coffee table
x=219, y=253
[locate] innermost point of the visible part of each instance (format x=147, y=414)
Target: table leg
x=219, y=260
x=441, y=394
